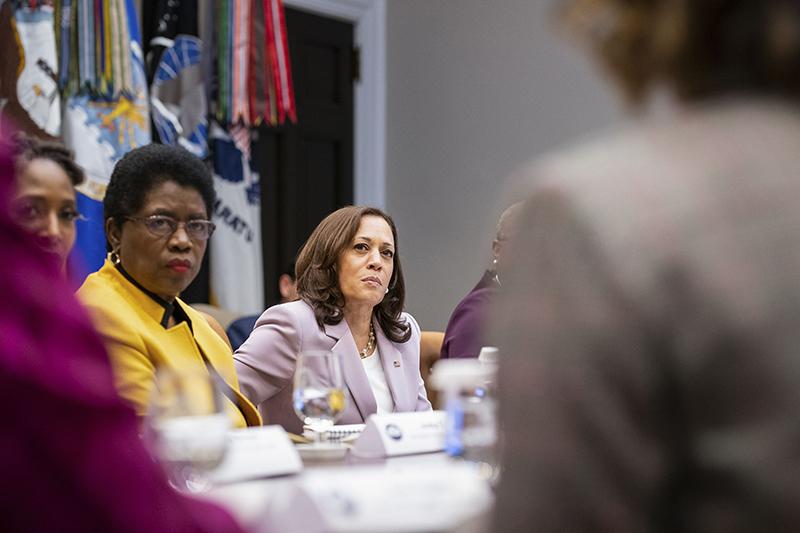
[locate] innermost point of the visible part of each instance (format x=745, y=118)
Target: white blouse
x=377, y=382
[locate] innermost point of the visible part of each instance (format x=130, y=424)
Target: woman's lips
x=179, y=265
x=372, y=281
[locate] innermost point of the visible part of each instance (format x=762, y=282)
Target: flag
x=106, y=111
x=235, y=253
x=175, y=71
x=29, y=98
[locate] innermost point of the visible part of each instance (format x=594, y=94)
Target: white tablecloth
x=429, y=492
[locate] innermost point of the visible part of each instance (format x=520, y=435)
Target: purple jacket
x=464, y=334
x=265, y=364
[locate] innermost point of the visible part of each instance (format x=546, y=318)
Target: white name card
x=257, y=452
x=401, y=434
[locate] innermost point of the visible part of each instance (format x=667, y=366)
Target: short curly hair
x=144, y=168
x=28, y=148
x=318, y=281
x=697, y=48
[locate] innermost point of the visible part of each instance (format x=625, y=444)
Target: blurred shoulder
x=666, y=155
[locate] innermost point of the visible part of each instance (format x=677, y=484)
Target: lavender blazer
x=265, y=365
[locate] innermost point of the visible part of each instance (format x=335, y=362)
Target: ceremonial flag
x=29, y=98
x=106, y=112
x=235, y=252
x=175, y=71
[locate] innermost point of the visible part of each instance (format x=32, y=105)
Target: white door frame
x=369, y=21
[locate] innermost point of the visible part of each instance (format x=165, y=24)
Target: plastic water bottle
x=467, y=386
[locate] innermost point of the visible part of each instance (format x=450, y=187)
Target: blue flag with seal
x=237, y=281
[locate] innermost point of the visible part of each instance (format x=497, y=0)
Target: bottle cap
x=488, y=355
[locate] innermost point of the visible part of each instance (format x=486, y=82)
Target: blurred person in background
x=241, y=328
x=650, y=316
x=465, y=333
x=44, y=202
x=351, y=296
x=70, y=452
x=156, y=212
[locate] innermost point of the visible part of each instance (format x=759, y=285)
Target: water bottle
x=467, y=387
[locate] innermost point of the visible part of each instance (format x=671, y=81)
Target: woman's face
x=366, y=265
x=163, y=264
x=45, y=205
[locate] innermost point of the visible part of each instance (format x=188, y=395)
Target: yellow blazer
x=130, y=323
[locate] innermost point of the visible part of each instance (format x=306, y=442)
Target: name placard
x=395, y=434
x=257, y=452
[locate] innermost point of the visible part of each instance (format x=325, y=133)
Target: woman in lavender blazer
x=351, y=292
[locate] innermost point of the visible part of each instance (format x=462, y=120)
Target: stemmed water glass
x=318, y=397
x=186, y=427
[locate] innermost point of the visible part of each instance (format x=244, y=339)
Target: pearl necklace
x=370, y=343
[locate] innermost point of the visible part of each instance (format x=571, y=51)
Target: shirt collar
x=171, y=309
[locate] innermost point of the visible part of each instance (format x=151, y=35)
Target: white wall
x=475, y=88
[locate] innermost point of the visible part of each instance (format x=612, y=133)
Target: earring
x=386, y=291
x=494, y=263
x=113, y=256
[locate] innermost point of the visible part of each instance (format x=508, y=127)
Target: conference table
x=425, y=492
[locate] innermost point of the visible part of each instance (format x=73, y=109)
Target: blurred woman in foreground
x=70, y=446
x=650, y=317
x=351, y=292
x=156, y=212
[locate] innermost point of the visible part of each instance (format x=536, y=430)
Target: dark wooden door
x=307, y=168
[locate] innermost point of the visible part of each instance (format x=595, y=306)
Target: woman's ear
x=113, y=233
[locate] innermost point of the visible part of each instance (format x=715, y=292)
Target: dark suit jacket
x=650, y=354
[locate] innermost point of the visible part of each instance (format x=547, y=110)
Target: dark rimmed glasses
x=164, y=226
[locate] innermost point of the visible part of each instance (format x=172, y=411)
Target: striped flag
x=106, y=111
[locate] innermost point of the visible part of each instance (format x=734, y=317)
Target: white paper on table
x=256, y=453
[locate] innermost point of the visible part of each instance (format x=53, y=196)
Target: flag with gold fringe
x=106, y=112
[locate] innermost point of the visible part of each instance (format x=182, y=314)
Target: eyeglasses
x=164, y=226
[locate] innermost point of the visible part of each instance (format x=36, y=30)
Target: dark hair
x=29, y=148
x=698, y=48
x=144, y=168
x=318, y=281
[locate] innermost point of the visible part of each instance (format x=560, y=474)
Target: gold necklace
x=370, y=343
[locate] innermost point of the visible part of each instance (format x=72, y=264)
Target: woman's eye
x=388, y=253
x=69, y=215
x=361, y=247
x=25, y=211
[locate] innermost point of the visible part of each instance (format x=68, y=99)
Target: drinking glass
x=186, y=427
x=318, y=396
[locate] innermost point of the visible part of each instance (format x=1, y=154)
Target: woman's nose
x=375, y=259
x=51, y=228
x=180, y=237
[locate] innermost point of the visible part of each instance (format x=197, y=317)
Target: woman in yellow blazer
x=156, y=213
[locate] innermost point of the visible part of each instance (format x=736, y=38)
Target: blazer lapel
x=392, y=362
x=353, y=371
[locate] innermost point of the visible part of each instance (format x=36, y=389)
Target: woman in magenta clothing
x=70, y=453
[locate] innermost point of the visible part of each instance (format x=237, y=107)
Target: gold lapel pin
x=397, y=364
